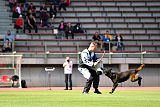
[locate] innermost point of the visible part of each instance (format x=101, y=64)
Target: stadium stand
x=136, y=19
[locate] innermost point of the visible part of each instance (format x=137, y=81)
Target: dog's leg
x=139, y=80
x=134, y=77
x=114, y=87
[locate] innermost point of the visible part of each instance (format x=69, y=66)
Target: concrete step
x=4, y=31
x=4, y=27
x=4, y=8
x=6, y=24
x=3, y=1
x=5, y=21
x=4, y=15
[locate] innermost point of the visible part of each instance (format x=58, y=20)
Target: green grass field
x=75, y=98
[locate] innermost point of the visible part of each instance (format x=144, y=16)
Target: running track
x=77, y=88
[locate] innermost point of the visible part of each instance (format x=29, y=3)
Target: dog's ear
x=107, y=71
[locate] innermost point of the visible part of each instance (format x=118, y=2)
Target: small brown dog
x=118, y=77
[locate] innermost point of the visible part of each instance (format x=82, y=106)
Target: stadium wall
x=36, y=76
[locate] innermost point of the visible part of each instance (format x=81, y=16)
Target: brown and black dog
x=118, y=77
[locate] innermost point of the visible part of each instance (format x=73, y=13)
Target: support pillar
x=123, y=67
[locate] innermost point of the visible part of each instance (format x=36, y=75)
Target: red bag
x=19, y=22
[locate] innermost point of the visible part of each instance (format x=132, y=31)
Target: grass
x=75, y=98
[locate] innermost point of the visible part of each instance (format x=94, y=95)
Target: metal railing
x=109, y=54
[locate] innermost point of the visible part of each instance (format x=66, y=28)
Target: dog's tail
x=140, y=68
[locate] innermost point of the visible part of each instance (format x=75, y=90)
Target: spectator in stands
x=9, y=36
x=53, y=11
x=12, y=3
x=62, y=28
x=63, y=4
x=7, y=46
x=20, y=24
x=68, y=72
x=23, y=3
x=119, y=41
x=54, y=2
x=19, y=8
x=97, y=38
x=32, y=24
x=15, y=14
x=32, y=9
x=77, y=29
x=69, y=31
x=107, y=38
x=29, y=12
x=43, y=8
x=58, y=1
x=68, y=2
x=44, y=19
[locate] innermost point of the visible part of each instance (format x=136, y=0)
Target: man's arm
x=64, y=64
x=34, y=20
x=29, y=24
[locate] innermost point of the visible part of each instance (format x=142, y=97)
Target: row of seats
x=95, y=1
x=66, y=48
x=107, y=5
x=108, y=8
x=88, y=36
x=106, y=11
x=111, y=29
x=109, y=24
x=109, y=18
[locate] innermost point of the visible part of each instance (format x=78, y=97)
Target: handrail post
x=77, y=53
x=45, y=55
x=109, y=59
x=13, y=45
x=141, y=54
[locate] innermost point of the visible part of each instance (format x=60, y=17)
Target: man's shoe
x=97, y=91
x=84, y=92
x=70, y=88
x=66, y=89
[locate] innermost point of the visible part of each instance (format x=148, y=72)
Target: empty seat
x=5, y=78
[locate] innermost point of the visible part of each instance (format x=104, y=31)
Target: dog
x=118, y=77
